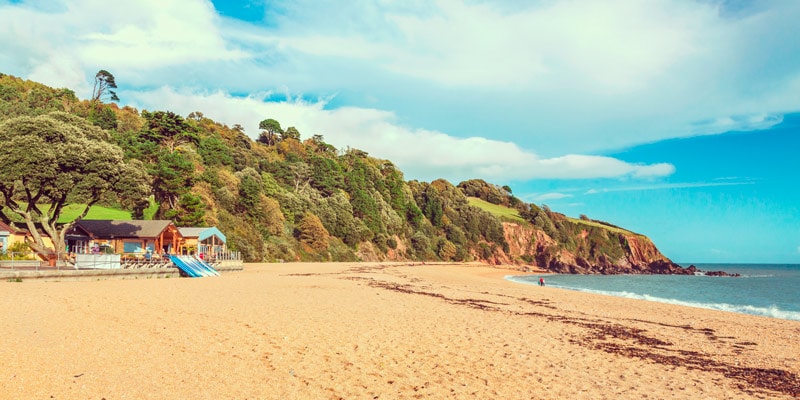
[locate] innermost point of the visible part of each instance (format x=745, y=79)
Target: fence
x=32, y=261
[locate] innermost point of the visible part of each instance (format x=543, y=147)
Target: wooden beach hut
x=126, y=236
x=207, y=240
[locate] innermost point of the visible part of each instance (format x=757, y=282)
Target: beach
x=377, y=331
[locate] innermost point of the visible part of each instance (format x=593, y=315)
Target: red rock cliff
x=528, y=245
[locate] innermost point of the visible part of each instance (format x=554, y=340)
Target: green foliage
x=311, y=232
x=167, y=129
x=446, y=249
x=326, y=175
x=56, y=159
x=103, y=83
x=432, y=208
x=250, y=189
x=214, y=152
x=21, y=97
x=172, y=177
x=19, y=250
x=270, y=132
x=486, y=191
x=281, y=199
x=190, y=211
x=103, y=116
x=290, y=133
x=421, y=245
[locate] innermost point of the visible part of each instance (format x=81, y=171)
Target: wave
x=771, y=311
x=703, y=273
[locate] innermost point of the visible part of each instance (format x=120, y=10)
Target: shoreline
x=653, y=294
x=391, y=330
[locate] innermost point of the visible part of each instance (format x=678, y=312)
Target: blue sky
x=678, y=119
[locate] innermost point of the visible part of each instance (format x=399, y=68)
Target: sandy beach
x=377, y=331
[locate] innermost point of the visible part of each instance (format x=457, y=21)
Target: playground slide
x=186, y=268
x=205, y=268
x=193, y=267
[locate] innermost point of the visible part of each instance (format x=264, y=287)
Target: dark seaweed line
x=757, y=378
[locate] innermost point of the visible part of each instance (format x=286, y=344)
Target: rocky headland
x=635, y=254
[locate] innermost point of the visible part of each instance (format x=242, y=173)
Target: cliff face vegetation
x=291, y=196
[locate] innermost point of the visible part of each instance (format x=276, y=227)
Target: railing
x=35, y=261
x=32, y=261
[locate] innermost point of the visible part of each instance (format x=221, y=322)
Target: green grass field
x=510, y=214
x=505, y=213
x=71, y=211
x=96, y=212
x=604, y=226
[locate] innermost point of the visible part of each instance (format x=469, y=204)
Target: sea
x=771, y=290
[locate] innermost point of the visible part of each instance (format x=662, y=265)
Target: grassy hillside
x=502, y=212
x=601, y=225
x=96, y=212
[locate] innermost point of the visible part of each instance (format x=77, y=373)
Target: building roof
x=8, y=228
x=191, y=232
x=108, y=229
x=202, y=233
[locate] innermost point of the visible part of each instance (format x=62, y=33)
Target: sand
x=377, y=331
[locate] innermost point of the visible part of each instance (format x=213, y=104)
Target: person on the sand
x=541, y=281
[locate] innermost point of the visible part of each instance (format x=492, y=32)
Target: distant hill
x=291, y=196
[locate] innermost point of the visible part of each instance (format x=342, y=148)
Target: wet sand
x=368, y=330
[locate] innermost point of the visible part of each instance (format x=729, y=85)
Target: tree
x=103, y=116
x=103, y=83
x=215, y=151
x=291, y=133
x=446, y=249
x=311, y=232
x=191, y=211
x=54, y=159
x=270, y=131
x=173, y=175
x=168, y=129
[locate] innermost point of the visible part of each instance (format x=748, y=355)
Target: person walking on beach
x=541, y=281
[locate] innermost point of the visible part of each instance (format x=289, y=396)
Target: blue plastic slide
x=193, y=266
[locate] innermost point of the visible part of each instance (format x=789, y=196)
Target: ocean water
x=771, y=290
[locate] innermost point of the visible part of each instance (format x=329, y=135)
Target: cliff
x=529, y=245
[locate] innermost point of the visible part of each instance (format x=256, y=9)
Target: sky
x=677, y=119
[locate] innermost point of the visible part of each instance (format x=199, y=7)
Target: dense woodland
x=287, y=195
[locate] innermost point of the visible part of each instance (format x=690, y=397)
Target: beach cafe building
x=133, y=237
x=208, y=241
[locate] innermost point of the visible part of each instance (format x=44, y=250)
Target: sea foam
x=771, y=311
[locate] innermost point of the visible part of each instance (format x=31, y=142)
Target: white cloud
x=421, y=154
x=608, y=47
x=65, y=43
x=677, y=185
x=567, y=75
x=515, y=91
x=154, y=33
x=737, y=123
x=551, y=196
